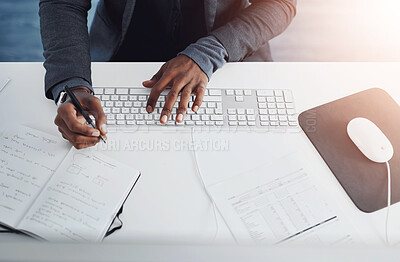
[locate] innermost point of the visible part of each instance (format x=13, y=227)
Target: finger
x=170, y=101
x=183, y=104
x=69, y=116
x=156, y=91
x=78, y=141
x=200, y=89
x=150, y=83
x=95, y=109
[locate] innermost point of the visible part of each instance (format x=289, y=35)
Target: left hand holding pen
x=183, y=76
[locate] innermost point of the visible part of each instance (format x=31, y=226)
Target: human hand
x=72, y=125
x=183, y=76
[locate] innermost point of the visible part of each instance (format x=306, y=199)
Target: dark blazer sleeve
x=255, y=26
x=65, y=38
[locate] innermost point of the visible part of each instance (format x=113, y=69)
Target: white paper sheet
x=81, y=199
x=279, y=203
x=28, y=158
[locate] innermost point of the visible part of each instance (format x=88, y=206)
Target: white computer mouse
x=371, y=141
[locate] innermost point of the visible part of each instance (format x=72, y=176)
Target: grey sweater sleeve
x=65, y=38
x=255, y=26
x=208, y=53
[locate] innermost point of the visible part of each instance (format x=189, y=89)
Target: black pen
x=80, y=108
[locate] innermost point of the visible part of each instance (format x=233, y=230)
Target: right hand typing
x=72, y=125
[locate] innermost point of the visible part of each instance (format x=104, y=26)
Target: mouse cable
x=204, y=184
x=388, y=202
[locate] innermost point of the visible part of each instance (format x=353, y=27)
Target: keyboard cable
x=204, y=184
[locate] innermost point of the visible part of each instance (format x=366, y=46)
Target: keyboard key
x=241, y=117
x=140, y=122
x=139, y=117
x=114, y=97
x=261, y=99
x=247, y=92
x=205, y=117
x=132, y=98
x=189, y=123
x=111, y=122
x=233, y=123
x=292, y=118
x=239, y=98
x=240, y=111
x=229, y=92
x=251, y=117
x=292, y=123
x=109, y=103
x=102, y=103
x=217, y=117
x=142, y=110
x=278, y=92
x=209, y=111
x=150, y=122
x=242, y=123
x=265, y=92
x=120, y=117
x=134, y=110
x=123, y=98
x=231, y=111
x=105, y=97
x=212, y=99
x=273, y=118
x=251, y=123
x=283, y=118
x=119, y=104
x=285, y=123
x=110, y=117
x=122, y=91
x=272, y=111
x=238, y=92
x=262, y=105
x=274, y=123
x=288, y=96
x=98, y=91
x=142, y=98
x=264, y=118
x=116, y=110
x=107, y=110
x=264, y=123
x=130, y=122
x=130, y=117
x=270, y=99
x=280, y=105
x=291, y=111
x=218, y=111
x=290, y=105
x=199, y=123
x=232, y=117
x=195, y=117
x=209, y=123
x=263, y=111
x=279, y=99
x=211, y=105
x=281, y=111
x=271, y=105
x=250, y=111
x=148, y=117
x=109, y=91
x=137, y=104
x=219, y=123
x=128, y=104
x=214, y=92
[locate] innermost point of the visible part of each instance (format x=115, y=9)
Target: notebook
x=326, y=127
x=52, y=192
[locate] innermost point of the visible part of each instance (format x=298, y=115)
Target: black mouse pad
x=326, y=126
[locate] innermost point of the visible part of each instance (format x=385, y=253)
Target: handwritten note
x=81, y=199
x=28, y=158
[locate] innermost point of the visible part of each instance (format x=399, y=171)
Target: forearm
x=255, y=26
x=208, y=53
x=63, y=27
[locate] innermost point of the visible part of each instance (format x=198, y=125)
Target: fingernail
x=179, y=117
x=104, y=128
x=149, y=108
x=164, y=119
x=195, y=108
x=96, y=133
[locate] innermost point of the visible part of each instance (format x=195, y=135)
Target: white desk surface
x=169, y=204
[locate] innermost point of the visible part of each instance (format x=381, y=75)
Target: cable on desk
x=204, y=184
x=388, y=203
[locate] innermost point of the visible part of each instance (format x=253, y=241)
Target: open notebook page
x=28, y=158
x=81, y=199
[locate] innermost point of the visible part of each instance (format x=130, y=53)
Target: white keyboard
x=126, y=107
